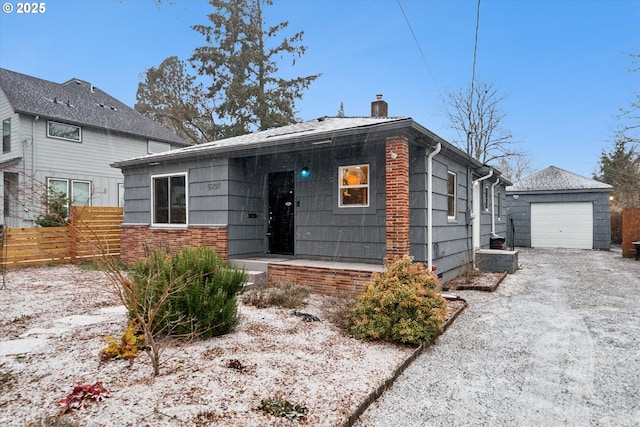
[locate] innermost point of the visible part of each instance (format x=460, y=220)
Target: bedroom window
x=451, y=195
x=6, y=135
x=64, y=131
x=169, y=199
x=353, y=187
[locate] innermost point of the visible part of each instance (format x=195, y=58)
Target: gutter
x=430, y=205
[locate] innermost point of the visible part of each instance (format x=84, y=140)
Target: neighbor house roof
x=321, y=131
x=557, y=180
x=81, y=103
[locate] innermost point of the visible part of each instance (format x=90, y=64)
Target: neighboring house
x=64, y=136
x=554, y=208
x=334, y=189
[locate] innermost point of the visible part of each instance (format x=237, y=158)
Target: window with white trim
x=78, y=192
x=169, y=199
x=64, y=131
x=353, y=186
x=451, y=195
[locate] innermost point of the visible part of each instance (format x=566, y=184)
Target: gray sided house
x=554, y=208
x=348, y=190
x=65, y=136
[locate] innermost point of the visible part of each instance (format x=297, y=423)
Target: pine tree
x=240, y=62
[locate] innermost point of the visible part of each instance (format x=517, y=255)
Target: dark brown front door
x=281, y=213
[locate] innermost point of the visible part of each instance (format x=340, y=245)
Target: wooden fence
x=93, y=232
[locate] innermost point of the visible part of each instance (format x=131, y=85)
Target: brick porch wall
x=397, y=191
x=326, y=281
x=136, y=240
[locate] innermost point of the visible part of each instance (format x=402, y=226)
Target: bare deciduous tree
x=478, y=119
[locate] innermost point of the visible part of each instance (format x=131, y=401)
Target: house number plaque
x=214, y=186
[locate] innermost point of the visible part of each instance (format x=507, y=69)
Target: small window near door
x=451, y=196
x=353, y=186
x=169, y=199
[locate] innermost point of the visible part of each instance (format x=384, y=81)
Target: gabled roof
x=81, y=103
x=556, y=179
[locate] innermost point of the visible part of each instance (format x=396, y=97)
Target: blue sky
x=563, y=64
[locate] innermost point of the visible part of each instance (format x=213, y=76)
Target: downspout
x=493, y=205
x=476, y=213
x=430, y=205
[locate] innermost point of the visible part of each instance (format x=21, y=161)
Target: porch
x=324, y=277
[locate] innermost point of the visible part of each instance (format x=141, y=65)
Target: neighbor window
x=120, y=194
x=64, y=131
x=6, y=135
x=157, y=147
x=451, y=195
x=353, y=186
x=78, y=192
x=170, y=199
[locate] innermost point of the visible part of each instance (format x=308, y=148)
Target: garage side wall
x=519, y=213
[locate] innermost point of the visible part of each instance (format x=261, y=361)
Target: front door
x=281, y=213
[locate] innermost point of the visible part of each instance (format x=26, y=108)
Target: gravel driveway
x=557, y=344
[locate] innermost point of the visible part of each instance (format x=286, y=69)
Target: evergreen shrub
x=202, y=292
x=400, y=305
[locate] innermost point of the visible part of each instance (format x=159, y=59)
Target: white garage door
x=562, y=225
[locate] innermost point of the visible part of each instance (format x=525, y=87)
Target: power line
x=475, y=47
x=424, y=58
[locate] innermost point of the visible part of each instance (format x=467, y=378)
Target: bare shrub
x=283, y=293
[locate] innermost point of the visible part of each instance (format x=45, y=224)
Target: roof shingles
x=81, y=103
x=556, y=179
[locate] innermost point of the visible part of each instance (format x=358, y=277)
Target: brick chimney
x=379, y=108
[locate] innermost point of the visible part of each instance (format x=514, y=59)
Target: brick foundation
x=136, y=240
x=397, y=197
x=326, y=281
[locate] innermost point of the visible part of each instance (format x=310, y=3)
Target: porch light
x=304, y=173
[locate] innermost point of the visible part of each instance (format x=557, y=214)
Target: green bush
x=199, y=290
x=400, y=305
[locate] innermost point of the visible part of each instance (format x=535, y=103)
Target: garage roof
x=556, y=179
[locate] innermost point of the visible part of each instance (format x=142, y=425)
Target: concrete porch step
x=255, y=278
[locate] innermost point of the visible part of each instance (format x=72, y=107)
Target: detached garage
x=555, y=208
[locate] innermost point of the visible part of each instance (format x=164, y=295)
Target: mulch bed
x=478, y=281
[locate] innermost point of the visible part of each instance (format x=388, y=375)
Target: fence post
x=73, y=234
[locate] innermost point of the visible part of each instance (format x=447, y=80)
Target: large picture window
x=64, y=131
x=451, y=195
x=170, y=199
x=353, y=189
